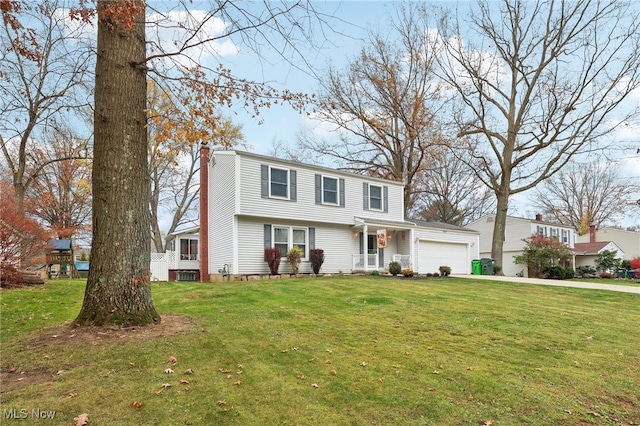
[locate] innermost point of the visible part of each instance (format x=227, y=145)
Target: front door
x=372, y=248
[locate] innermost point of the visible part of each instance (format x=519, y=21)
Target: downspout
x=204, y=213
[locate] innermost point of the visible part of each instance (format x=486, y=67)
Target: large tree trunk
x=118, y=289
x=499, y=225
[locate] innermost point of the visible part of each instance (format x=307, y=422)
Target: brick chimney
x=204, y=213
x=592, y=233
x=539, y=217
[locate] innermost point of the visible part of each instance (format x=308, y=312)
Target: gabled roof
x=593, y=248
x=59, y=245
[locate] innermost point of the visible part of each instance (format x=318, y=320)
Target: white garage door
x=434, y=254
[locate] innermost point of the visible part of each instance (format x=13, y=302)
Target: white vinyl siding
x=306, y=207
x=337, y=241
x=222, y=206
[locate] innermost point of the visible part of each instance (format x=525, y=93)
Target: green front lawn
x=329, y=351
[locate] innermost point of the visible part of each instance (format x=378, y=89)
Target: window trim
x=290, y=242
x=322, y=189
x=381, y=208
x=189, y=254
x=288, y=184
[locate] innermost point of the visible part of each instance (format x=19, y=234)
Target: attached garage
x=440, y=244
x=434, y=254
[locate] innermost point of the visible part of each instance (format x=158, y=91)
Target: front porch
x=372, y=262
x=382, y=242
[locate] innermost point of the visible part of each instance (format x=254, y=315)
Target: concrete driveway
x=557, y=283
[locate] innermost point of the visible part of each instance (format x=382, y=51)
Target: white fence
x=159, y=267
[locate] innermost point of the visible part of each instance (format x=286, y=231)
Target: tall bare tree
x=586, y=194
x=44, y=76
x=448, y=191
x=537, y=83
x=381, y=107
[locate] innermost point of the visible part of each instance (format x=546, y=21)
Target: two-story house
x=254, y=201
x=516, y=230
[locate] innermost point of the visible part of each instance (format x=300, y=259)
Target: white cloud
x=168, y=32
x=175, y=29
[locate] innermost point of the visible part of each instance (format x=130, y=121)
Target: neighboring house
x=254, y=201
x=587, y=253
x=627, y=241
x=181, y=260
x=516, y=230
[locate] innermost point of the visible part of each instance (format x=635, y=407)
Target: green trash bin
x=476, y=267
x=487, y=266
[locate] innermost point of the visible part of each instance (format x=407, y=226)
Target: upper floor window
x=375, y=197
x=278, y=183
x=329, y=190
x=188, y=249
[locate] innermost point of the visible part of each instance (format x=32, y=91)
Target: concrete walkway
x=557, y=283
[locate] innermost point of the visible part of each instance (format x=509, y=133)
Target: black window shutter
x=292, y=190
x=264, y=181
x=365, y=196
x=385, y=191
x=312, y=238
x=341, y=192
x=318, y=189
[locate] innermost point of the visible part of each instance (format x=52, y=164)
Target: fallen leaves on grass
x=315, y=385
x=162, y=389
x=81, y=419
x=184, y=382
x=137, y=404
x=169, y=371
x=173, y=360
x=188, y=371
